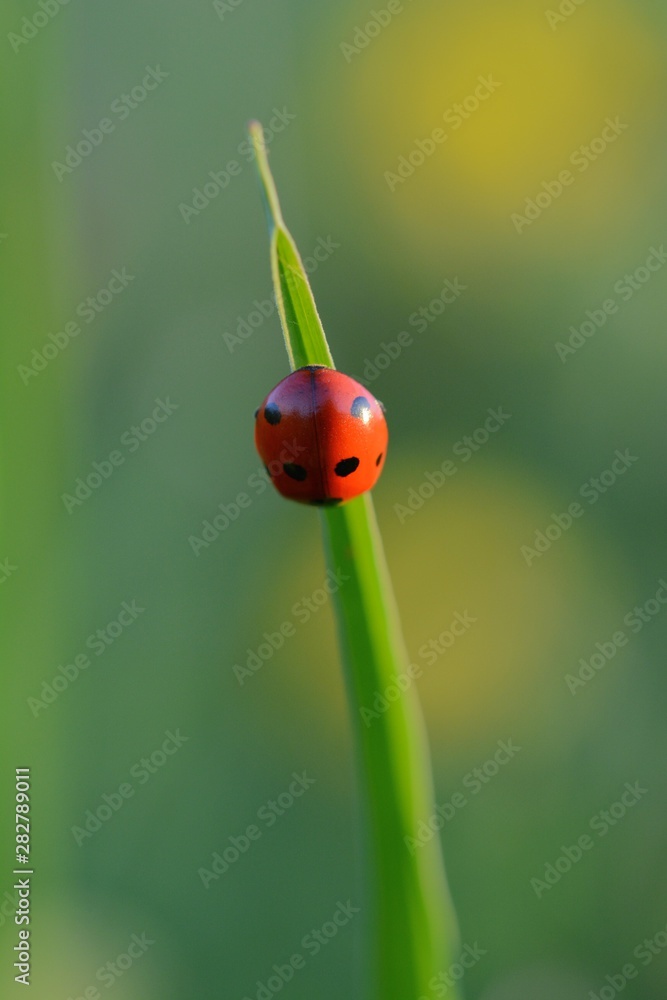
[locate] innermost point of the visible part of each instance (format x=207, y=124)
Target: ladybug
x=322, y=436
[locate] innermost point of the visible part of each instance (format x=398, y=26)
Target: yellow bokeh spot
x=459, y=558
x=553, y=89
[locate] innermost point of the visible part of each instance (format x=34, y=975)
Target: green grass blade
x=304, y=335
x=416, y=930
x=414, y=925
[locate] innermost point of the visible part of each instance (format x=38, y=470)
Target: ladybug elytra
x=340, y=431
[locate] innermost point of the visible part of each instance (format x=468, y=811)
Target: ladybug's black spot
x=379, y=458
x=326, y=501
x=361, y=408
x=272, y=414
x=295, y=471
x=346, y=466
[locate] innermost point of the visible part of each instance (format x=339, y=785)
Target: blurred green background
x=347, y=90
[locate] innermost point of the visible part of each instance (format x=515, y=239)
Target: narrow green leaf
x=304, y=335
x=414, y=928
x=415, y=925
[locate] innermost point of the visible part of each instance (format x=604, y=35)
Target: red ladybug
x=339, y=430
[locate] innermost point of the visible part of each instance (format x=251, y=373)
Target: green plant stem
x=413, y=921
x=416, y=929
